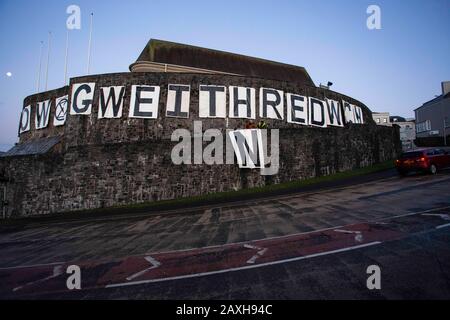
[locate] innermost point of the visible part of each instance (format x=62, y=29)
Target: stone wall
x=51, y=130
x=88, y=129
x=107, y=162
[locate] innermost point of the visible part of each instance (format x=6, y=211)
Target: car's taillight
x=423, y=159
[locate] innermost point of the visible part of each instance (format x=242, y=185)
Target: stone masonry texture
x=108, y=162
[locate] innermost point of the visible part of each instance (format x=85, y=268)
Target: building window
x=378, y=120
x=423, y=126
x=384, y=120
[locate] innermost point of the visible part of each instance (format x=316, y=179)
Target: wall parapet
x=89, y=129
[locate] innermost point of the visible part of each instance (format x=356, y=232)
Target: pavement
x=313, y=244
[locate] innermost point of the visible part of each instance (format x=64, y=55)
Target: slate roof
x=186, y=55
x=39, y=146
x=434, y=100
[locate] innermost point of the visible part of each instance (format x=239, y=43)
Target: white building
x=407, y=131
x=381, y=118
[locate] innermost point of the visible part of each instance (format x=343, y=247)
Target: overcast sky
x=394, y=69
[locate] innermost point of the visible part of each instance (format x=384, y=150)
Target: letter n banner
x=248, y=148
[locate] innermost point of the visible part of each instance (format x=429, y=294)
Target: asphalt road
x=307, y=245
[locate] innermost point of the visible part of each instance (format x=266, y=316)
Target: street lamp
x=329, y=84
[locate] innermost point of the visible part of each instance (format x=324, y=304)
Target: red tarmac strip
x=163, y=266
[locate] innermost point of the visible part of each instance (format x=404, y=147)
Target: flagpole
x=48, y=58
x=40, y=68
x=66, y=57
x=89, y=46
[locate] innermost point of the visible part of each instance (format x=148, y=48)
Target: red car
x=427, y=160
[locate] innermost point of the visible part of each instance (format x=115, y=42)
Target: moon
x=8, y=74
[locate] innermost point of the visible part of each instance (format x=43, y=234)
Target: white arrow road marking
x=155, y=264
x=260, y=252
x=443, y=216
x=254, y=266
x=358, y=236
x=57, y=271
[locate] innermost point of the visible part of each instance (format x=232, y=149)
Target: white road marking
x=57, y=271
x=411, y=213
x=260, y=252
x=443, y=226
x=32, y=265
x=443, y=216
x=155, y=264
x=358, y=234
x=201, y=274
x=347, y=231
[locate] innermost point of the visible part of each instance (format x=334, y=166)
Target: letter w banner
x=248, y=147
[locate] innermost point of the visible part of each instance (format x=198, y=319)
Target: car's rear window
x=409, y=155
